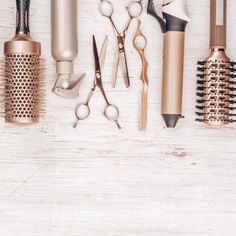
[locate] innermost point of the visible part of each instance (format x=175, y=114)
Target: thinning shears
x=82, y=110
x=140, y=43
x=134, y=9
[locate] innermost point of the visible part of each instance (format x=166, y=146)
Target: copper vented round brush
x=24, y=88
x=215, y=87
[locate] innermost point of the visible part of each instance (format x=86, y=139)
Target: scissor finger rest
x=140, y=42
x=112, y=113
x=106, y=8
x=135, y=9
x=82, y=111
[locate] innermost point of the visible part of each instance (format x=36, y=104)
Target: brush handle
x=22, y=16
x=218, y=11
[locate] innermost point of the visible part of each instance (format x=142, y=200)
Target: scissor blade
x=96, y=57
x=115, y=69
x=124, y=68
x=103, y=52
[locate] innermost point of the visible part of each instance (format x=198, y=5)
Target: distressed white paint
x=98, y=181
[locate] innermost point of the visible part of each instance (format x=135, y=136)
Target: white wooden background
x=99, y=181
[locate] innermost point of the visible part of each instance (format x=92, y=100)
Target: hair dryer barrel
x=64, y=34
x=173, y=67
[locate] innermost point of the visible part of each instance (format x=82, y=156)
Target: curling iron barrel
x=173, y=23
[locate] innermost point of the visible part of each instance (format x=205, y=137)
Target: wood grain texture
x=99, y=181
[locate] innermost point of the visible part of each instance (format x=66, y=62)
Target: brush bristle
x=216, y=92
x=24, y=87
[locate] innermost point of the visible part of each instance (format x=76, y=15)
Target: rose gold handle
x=144, y=95
x=144, y=75
x=218, y=23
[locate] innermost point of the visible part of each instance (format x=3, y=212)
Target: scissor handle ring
x=131, y=4
x=144, y=40
x=86, y=114
x=115, y=109
x=108, y=4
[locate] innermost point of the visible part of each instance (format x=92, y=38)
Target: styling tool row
x=65, y=51
x=24, y=83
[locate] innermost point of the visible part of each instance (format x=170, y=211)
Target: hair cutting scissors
x=140, y=43
x=82, y=110
x=134, y=9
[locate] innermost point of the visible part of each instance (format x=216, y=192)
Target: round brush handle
x=22, y=16
x=218, y=23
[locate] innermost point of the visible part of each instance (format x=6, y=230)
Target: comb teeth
x=216, y=92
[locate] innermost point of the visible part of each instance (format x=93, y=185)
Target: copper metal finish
x=144, y=76
x=216, y=111
x=82, y=110
x=120, y=55
x=172, y=88
x=214, y=86
x=23, y=76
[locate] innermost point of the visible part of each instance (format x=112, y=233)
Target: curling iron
x=173, y=21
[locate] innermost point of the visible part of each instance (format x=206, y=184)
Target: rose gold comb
x=24, y=88
x=215, y=86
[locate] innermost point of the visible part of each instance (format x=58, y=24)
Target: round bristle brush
x=24, y=84
x=215, y=87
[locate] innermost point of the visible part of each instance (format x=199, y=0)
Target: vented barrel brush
x=215, y=86
x=24, y=88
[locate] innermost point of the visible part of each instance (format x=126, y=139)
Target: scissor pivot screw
x=98, y=75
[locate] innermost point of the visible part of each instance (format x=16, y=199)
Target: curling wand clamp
x=172, y=16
